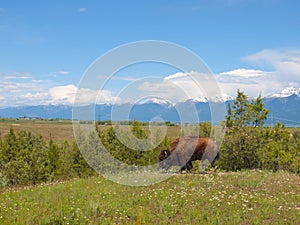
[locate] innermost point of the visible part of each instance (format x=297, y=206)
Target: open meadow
x=248, y=197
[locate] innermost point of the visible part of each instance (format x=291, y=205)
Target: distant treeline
x=130, y=122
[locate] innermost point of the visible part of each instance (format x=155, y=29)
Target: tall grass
x=249, y=197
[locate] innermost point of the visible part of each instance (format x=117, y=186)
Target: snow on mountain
x=222, y=98
x=216, y=99
x=198, y=99
x=287, y=92
x=284, y=107
x=158, y=101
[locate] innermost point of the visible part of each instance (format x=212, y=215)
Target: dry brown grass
x=58, y=130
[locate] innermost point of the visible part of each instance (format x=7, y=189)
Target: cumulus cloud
x=39, y=98
x=70, y=94
x=159, y=88
x=284, y=63
x=182, y=86
x=253, y=82
x=63, y=94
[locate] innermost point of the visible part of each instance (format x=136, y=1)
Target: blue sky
x=46, y=46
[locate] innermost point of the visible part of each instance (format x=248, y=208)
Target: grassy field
x=59, y=130
x=249, y=197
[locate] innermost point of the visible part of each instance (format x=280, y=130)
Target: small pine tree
x=242, y=140
x=257, y=112
x=245, y=112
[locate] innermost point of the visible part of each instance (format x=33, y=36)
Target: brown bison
x=186, y=149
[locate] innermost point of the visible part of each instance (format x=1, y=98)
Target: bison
x=186, y=149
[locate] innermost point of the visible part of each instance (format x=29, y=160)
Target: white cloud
x=81, y=10
x=39, y=98
x=16, y=75
x=68, y=94
x=285, y=63
x=13, y=95
x=182, y=86
x=244, y=73
x=252, y=82
x=63, y=72
x=159, y=88
x=176, y=76
x=13, y=87
x=59, y=73
x=62, y=94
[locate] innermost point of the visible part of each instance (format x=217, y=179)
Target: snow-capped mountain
x=287, y=92
x=283, y=107
x=198, y=99
x=153, y=100
x=222, y=98
x=216, y=99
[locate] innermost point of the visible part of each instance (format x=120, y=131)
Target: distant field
x=59, y=130
x=249, y=197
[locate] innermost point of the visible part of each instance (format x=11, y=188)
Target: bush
x=259, y=147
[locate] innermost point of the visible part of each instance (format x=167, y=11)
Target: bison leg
x=188, y=166
x=213, y=163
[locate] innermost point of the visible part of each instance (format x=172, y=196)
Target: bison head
x=164, y=154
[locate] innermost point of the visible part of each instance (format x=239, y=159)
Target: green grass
x=248, y=197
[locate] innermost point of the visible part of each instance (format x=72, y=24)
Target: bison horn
x=166, y=154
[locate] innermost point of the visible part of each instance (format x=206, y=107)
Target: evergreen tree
x=245, y=112
x=257, y=112
x=242, y=141
x=53, y=157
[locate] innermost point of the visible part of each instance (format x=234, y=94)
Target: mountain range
x=284, y=107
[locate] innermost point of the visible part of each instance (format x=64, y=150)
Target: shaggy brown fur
x=186, y=149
